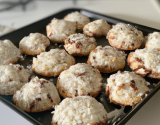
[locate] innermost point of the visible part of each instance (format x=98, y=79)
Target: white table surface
x=145, y=12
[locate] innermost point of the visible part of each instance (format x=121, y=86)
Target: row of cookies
x=106, y=59
x=98, y=58
x=121, y=36
x=59, y=30
x=78, y=44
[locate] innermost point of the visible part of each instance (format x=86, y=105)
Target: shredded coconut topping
x=79, y=110
x=81, y=79
x=96, y=28
x=80, y=44
x=153, y=40
x=124, y=36
x=37, y=95
x=149, y=57
x=80, y=19
x=34, y=44
x=12, y=78
x=59, y=30
x=107, y=56
x=126, y=87
x=9, y=53
x=53, y=62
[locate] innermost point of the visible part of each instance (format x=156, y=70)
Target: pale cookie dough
x=12, y=78
x=96, y=28
x=36, y=96
x=145, y=62
x=79, y=80
x=125, y=37
x=107, y=59
x=79, y=44
x=59, y=30
x=34, y=44
x=80, y=19
x=52, y=63
x=153, y=41
x=126, y=88
x=9, y=53
x=82, y=110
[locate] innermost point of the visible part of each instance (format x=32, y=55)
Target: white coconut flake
x=29, y=68
x=51, y=80
x=115, y=114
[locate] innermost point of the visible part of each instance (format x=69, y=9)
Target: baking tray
x=44, y=118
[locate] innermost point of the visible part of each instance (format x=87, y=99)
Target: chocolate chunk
x=42, y=82
x=80, y=74
x=20, y=68
x=32, y=105
x=48, y=95
x=78, y=45
x=139, y=60
x=132, y=84
x=132, y=44
x=10, y=80
x=38, y=99
x=76, y=94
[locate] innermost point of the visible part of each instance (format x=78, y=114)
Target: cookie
x=126, y=88
x=145, y=62
x=59, y=30
x=79, y=44
x=80, y=19
x=52, y=63
x=81, y=110
x=96, y=28
x=79, y=80
x=34, y=44
x=12, y=78
x=9, y=53
x=107, y=59
x=36, y=96
x=153, y=41
x=125, y=37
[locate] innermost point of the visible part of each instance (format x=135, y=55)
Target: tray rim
x=128, y=115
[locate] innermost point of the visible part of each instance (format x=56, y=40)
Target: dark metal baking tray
x=44, y=118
